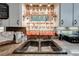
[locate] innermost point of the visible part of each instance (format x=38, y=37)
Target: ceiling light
x=40, y=5
x=48, y=5
x=30, y=4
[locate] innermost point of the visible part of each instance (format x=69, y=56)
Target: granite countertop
x=71, y=48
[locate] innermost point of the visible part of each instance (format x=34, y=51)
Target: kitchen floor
x=8, y=49
x=71, y=48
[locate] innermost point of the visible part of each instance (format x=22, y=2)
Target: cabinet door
x=5, y=23
x=76, y=14
x=4, y=14
x=66, y=11
x=14, y=14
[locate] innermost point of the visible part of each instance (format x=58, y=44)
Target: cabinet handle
x=62, y=21
x=18, y=22
x=75, y=22
x=0, y=22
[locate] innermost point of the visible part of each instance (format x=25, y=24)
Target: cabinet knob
x=18, y=22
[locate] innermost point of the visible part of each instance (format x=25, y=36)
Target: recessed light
x=30, y=4
x=48, y=5
x=40, y=4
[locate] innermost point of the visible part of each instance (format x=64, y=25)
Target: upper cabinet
x=66, y=14
x=69, y=14
x=4, y=14
x=10, y=14
x=76, y=14
x=15, y=14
